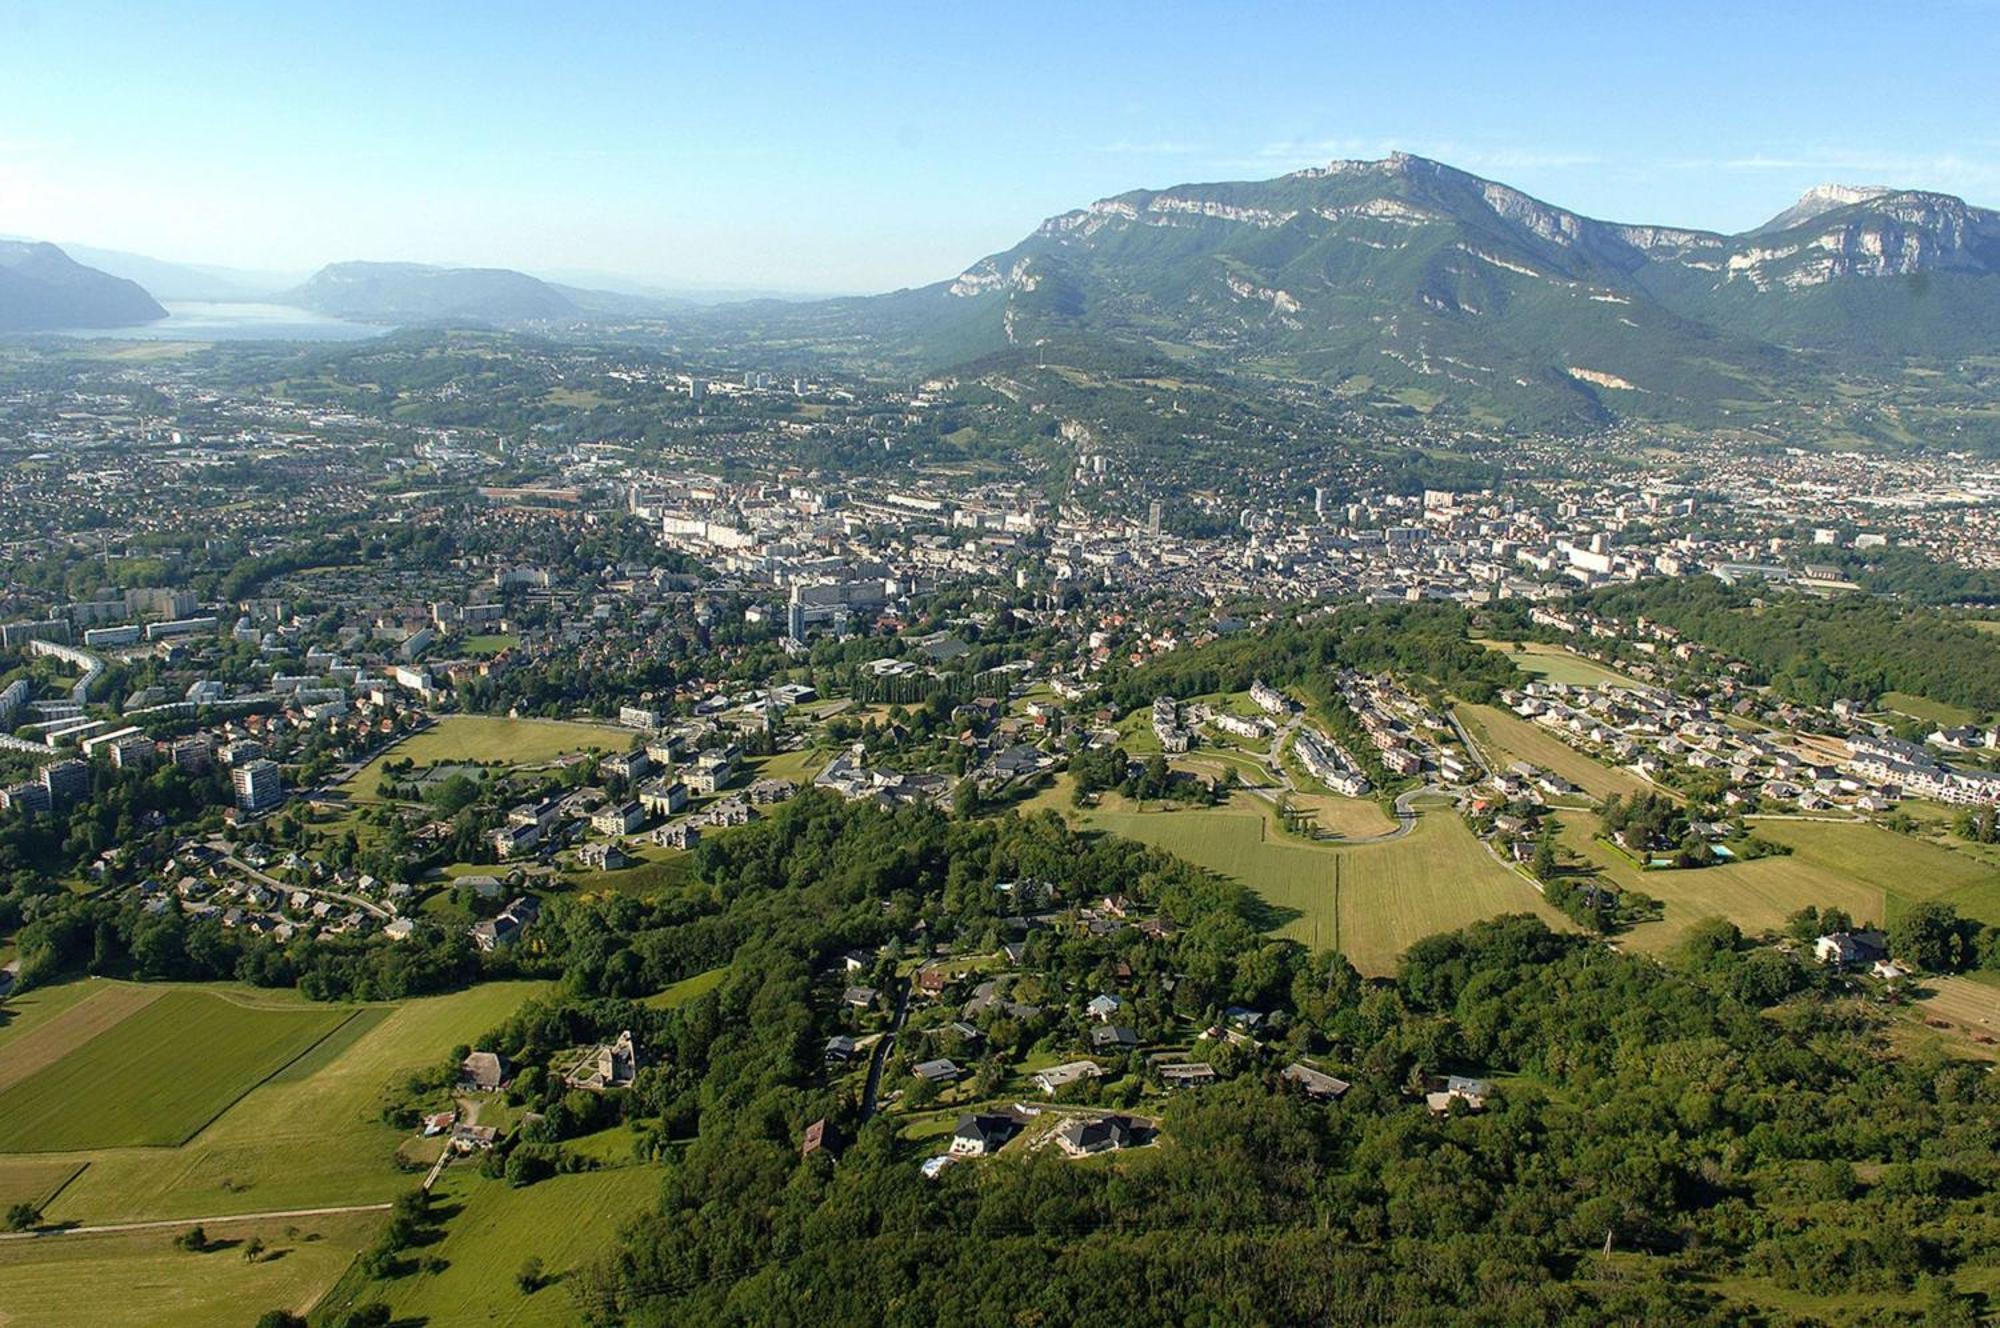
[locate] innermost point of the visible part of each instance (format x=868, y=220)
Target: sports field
x=309, y=1135
x=564, y=1221
x=134, y=1066
x=1437, y=878
x=489, y=643
x=1506, y=738
x=139, y=1280
x=1558, y=665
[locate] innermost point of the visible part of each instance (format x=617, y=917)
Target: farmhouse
x=1849, y=949
x=483, y=1071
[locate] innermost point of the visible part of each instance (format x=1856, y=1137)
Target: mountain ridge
x=43, y=289
x=1412, y=276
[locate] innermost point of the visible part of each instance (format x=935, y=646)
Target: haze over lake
x=199, y=320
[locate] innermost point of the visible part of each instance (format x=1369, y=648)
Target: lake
x=191, y=320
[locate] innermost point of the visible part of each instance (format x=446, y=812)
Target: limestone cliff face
x=1879, y=233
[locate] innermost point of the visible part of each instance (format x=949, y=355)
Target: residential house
x=979, y=1134
x=1100, y=1134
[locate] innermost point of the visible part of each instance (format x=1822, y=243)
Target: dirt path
x=164, y=1224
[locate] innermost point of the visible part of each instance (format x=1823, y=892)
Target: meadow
x=490, y=738
x=140, y=1280
x=687, y=989
x=309, y=1135
x=1922, y=707
x=801, y=767
x=33, y=1180
x=1870, y=872
x=1349, y=818
x=564, y=1221
x=657, y=869
x=1556, y=664
x=1437, y=878
x=154, y=1074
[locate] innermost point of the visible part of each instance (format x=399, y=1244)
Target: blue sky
x=865, y=146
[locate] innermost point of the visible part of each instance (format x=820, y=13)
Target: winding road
x=273, y=883
x=884, y=1047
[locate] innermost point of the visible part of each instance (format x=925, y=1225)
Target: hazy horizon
x=808, y=151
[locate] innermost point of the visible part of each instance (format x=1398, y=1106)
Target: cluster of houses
x=850, y=775
x=1407, y=735
x=1329, y=763
x=1655, y=731
x=199, y=881
x=1909, y=769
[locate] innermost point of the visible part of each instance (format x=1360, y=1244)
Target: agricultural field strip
x=70, y=1030
x=293, y=1141
x=59, y=1108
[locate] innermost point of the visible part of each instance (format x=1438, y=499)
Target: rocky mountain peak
x=1824, y=198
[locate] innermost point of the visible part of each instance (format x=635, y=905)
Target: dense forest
x=1425, y=641
x=1823, y=650
x=1658, y=1131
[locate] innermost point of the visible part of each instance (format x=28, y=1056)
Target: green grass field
x=687, y=989
x=156, y=1075
x=1506, y=738
x=657, y=869
x=33, y=1180
x=54, y=1021
x=1922, y=707
x=1558, y=665
x=20, y=1014
x=139, y=1280
x=490, y=738
x=801, y=767
x=1868, y=871
x=1437, y=878
x=564, y=1221
x=308, y=1136
x=489, y=643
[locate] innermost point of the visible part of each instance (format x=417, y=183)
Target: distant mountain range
x=170, y=281
x=1409, y=276
x=1401, y=280
x=43, y=289
x=418, y=293
x=400, y=293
